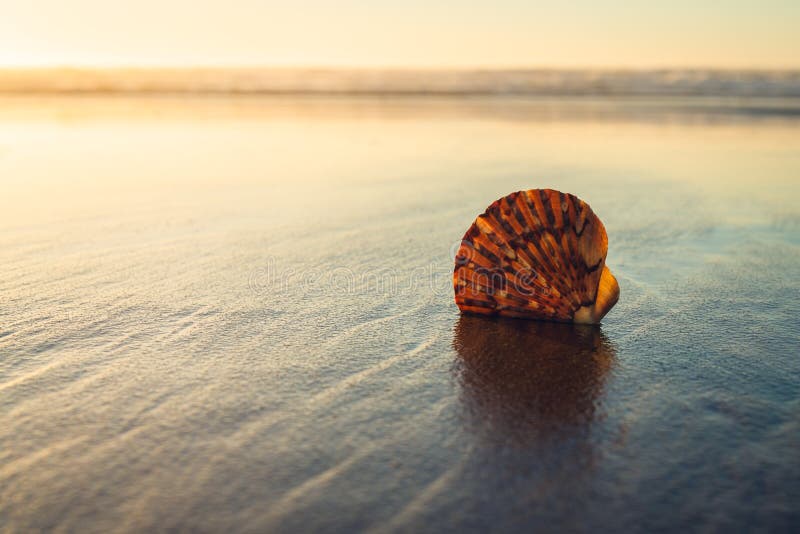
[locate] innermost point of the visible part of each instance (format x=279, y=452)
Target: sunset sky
x=445, y=33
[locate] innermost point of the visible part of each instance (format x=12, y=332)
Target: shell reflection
x=526, y=379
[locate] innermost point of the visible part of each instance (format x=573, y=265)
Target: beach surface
x=236, y=314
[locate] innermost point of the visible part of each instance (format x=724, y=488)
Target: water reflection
x=522, y=381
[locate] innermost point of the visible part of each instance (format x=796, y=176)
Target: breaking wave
x=521, y=82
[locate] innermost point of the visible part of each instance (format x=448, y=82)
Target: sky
x=402, y=33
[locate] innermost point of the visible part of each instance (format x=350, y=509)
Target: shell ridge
x=544, y=195
x=529, y=209
x=520, y=214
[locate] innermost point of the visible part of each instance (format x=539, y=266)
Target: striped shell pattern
x=537, y=254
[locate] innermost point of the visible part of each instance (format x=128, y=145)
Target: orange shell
x=536, y=254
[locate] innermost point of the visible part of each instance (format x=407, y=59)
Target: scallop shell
x=536, y=254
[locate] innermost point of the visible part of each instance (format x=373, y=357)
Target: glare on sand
x=122, y=150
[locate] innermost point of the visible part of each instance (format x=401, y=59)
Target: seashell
x=536, y=254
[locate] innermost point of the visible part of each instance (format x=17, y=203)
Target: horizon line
x=385, y=68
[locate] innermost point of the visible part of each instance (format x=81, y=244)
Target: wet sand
x=236, y=314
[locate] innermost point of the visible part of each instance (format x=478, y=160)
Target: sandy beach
x=235, y=314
